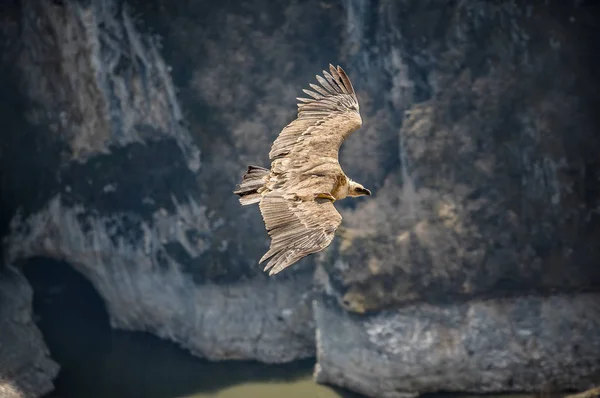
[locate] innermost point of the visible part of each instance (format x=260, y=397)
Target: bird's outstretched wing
x=297, y=227
x=324, y=121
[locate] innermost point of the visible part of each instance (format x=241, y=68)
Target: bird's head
x=355, y=189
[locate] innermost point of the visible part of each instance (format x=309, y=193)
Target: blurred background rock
x=473, y=267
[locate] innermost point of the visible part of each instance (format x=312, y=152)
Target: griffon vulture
x=296, y=195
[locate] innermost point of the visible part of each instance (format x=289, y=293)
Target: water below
x=98, y=362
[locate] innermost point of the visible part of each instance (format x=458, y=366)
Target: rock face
x=478, y=143
x=498, y=198
x=498, y=178
x=129, y=204
x=26, y=369
x=507, y=345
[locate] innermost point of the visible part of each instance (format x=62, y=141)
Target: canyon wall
x=478, y=142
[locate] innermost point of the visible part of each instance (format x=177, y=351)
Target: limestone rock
x=479, y=346
x=26, y=370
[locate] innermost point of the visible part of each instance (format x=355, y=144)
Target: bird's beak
x=367, y=192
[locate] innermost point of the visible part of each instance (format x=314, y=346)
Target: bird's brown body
x=296, y=195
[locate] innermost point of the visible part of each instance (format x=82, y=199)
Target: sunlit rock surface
x=478, y=143
x=26, y=369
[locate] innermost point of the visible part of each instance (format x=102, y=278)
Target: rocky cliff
x=497, y=187
x=129, y=204
x=475, y=252
x=26, y=369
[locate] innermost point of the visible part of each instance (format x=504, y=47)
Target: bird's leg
x=325, y=195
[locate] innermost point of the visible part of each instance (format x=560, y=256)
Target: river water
x=98, y=362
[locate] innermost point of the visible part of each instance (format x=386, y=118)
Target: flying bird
x=296, y=195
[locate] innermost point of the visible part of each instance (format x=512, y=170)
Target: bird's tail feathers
x=254, y=178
